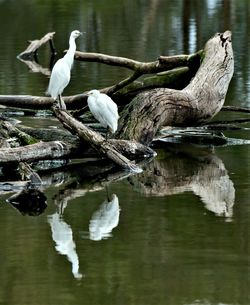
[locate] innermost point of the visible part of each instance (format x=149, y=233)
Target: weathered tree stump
x=201, y=100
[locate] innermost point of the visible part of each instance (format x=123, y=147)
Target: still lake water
x=178, y=233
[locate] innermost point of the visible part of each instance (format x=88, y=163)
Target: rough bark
x=130, y=149
x=201, y=100
x=95, y=139
x=34, y=152
x=56, y=144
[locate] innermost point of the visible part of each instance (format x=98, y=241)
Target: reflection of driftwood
x=34, y=45
x=35, y=67
x=30, y=202
x=188, y=169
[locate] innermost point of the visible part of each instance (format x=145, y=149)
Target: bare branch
x=34, y=45
x=163, y=63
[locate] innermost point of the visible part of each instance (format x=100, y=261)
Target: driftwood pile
x=185, y=90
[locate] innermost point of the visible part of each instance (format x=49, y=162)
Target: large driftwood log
x=198, y=102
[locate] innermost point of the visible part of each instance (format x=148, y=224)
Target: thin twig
x=124, y=83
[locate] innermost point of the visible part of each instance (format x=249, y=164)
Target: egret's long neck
x=69, y=56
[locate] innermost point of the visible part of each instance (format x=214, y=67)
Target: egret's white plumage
x=104, y=109
x=60, y=75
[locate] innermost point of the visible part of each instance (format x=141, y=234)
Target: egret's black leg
x=107, y=130
x=107, y=193
x=56, y=103
x=61, y=103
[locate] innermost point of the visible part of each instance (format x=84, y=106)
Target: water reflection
x=105, y=219
x=189, y=169
x=29, y=201
x=35, y=67
x=63, y=237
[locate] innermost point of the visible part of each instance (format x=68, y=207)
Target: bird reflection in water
x=105, y=219
x=63, y=237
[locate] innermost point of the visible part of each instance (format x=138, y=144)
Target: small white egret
x=60, y=75
x=104, y=110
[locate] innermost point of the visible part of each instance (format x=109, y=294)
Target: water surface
x=177, y=233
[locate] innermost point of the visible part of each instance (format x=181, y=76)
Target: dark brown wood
x=95, y=139
x=201, y=100
x=34, y=152
x=130, y=149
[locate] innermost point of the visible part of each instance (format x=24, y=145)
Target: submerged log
x=201, y=100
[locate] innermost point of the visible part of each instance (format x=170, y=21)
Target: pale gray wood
x=200, y=101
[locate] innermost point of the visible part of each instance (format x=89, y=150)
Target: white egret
x=60, y=75
x=104, y=109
